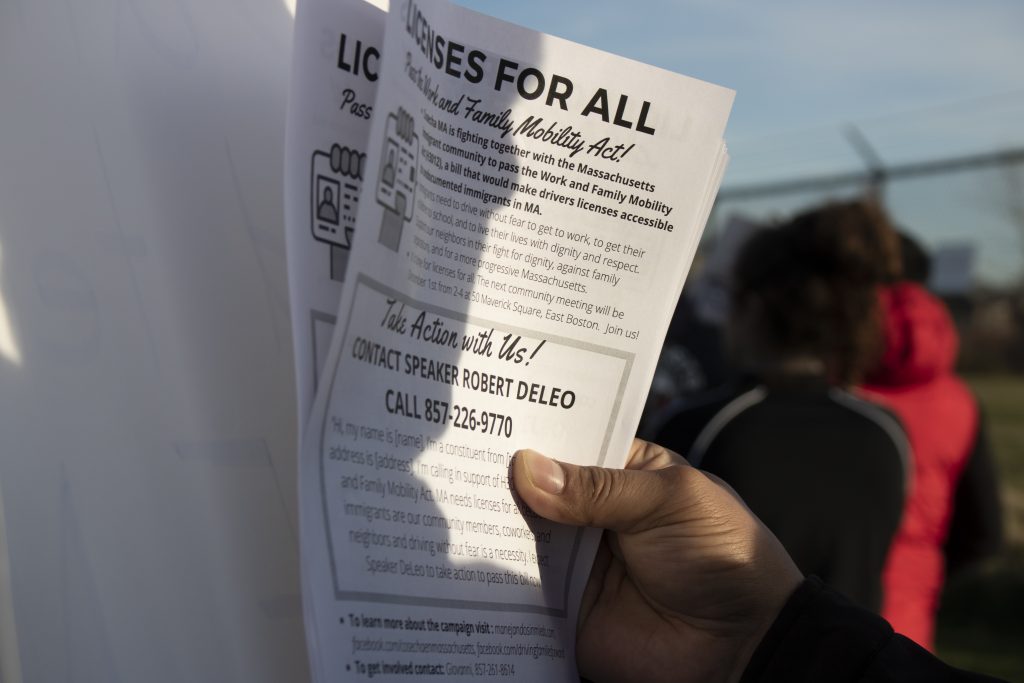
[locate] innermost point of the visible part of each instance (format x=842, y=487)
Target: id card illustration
x=396, y=186
x=335, y=181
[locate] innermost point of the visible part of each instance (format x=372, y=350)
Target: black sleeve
x=976, y=528
x=821, y=636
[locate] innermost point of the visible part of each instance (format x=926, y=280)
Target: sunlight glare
x=8, y=344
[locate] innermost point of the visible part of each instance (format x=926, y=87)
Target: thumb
x=627, y=501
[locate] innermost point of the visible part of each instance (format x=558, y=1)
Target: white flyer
x=335, y=67
x=529, y=210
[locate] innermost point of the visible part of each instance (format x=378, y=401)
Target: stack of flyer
x=488, y=230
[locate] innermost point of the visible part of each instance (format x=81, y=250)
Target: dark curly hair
x=809, y=288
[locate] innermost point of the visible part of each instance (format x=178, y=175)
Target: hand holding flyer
x=529, y=210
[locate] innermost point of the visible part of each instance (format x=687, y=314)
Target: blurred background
x=919, y=103
x=147, y=487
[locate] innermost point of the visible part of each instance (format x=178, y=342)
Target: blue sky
x=921, y=80
x=803, y=69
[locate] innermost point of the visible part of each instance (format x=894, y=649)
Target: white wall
x=147, y=428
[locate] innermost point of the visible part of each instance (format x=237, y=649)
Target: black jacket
x=822, y=469
x=821, y=637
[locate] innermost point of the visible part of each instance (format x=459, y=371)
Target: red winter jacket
x=915, y=380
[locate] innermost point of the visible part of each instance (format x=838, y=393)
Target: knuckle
x=676, y=481
x=596, y=486
x=680, y=487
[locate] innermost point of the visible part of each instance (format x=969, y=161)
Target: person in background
x=693, y=358
x=823, y=469
x=951, y=516
x=688, y=586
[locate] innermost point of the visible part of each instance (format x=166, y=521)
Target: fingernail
x=545, y=473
